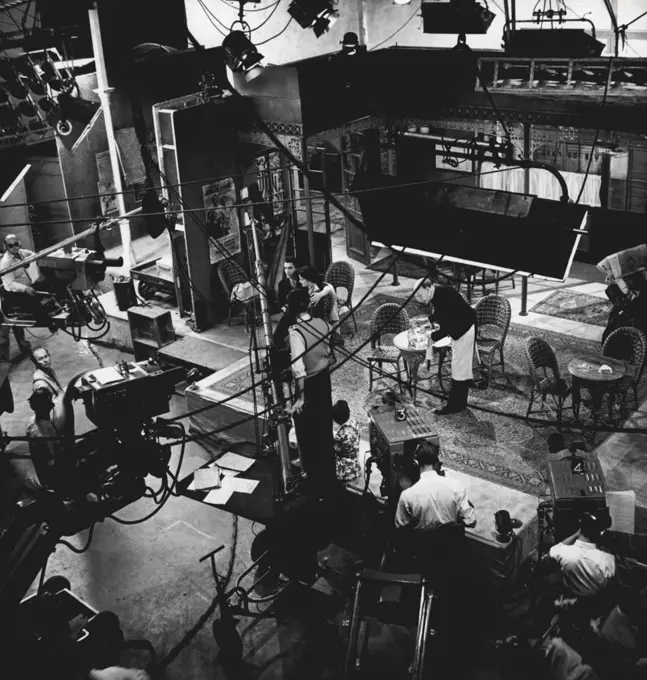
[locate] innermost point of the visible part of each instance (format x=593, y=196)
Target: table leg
x=413, y=361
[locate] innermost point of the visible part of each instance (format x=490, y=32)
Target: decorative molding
x=292, y=142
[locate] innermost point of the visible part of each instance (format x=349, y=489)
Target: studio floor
x=149, y=574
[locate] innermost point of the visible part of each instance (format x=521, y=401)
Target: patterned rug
x=581, y=307
x=408, y=265
x=491, y=439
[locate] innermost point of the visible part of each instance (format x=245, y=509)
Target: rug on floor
x=491, y=440
x=567, y=304
x=408, y=266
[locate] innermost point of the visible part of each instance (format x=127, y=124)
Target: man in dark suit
x=456, y=319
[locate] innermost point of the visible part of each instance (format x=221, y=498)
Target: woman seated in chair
x=321, y=294
x=346, y=443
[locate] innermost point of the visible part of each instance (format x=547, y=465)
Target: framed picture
x=221, y=219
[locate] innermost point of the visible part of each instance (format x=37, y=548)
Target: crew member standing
x=457, y=319
x=312, y=408
x=45, y=378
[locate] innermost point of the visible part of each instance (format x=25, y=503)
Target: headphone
x=416, y=456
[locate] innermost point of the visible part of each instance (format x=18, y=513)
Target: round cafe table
x=415, y=355
x=586, y=375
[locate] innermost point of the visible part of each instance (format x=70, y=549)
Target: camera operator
x=57, y=466
x=45, y=378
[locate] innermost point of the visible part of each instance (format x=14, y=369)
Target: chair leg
x=352, y=313
x=229, y=314
x=532, y=399
x=370, y=375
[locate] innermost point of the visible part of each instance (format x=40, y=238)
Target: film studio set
x=322, y=339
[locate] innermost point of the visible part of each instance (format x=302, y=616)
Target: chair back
x=493, y=310
x=541, y=360
x=341, y=274
x=627, y=344
x=388, y=319
x=230, y=274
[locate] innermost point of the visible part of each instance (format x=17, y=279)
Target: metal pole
x=65, y=243
x=524, y=296
x=281, y=427
x=326, y=207
x=105, y=91
x=306, y=194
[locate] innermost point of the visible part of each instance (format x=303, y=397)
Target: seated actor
x=433, y=500
x=323, y=300
x=19, y=287
x=289, y=282
x=455, y=318
x=312, y=407
x=45, y=449
x=585, y=569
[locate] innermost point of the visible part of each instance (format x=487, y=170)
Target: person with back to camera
x=434, y=499
x=456, y=319
x=312, y=407
x=346, y=443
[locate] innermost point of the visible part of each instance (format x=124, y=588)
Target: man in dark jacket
x=457, y=319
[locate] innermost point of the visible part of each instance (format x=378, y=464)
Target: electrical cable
x=79, y=551
x=258, y=9
x=269, y=16
x=281, y=32
x=211, y=17
x=597, y=132
x=356, y=192
x=404, y=25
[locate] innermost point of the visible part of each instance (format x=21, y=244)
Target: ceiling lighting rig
x=241, y=54
x=319, y=15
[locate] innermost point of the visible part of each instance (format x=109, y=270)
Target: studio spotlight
x=319, y=15
x=350, y=45
x=401, y=2
x=242, y=56
x=27, y=109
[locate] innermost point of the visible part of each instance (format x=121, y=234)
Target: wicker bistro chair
x=389, y=319
x=342, y=275
x=629, y=345
x=493, y=314
x=546, y=379
x=231, y=275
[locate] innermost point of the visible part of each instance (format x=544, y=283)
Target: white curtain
x=542, y=183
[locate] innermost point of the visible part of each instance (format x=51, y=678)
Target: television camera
x=109, y=466
x=70, y=275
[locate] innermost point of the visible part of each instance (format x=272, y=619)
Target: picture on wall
x=221, y=218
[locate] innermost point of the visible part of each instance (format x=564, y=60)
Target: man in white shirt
x=585, y=568
x=19, y=286
x=433, y=500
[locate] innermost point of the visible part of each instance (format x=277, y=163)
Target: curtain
x=542, y=183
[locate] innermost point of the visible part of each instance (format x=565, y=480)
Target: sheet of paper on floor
x=218, y=496
x=206, y=478
x=240, y=485
x=213, y=464
x=622, y=508
x=234, y=461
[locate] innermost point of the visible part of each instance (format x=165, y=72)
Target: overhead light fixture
x=319, y=15
x=456, y=16
x=242, y=56
x=350, y=44
x=401, y=2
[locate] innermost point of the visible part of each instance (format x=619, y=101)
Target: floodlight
x=242, y=56
x=319, y=15
x=350, y=44
x=401, y=2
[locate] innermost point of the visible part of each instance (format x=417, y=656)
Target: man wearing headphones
x=433, y=500
x=585, y=568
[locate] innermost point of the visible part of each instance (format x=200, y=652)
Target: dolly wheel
x=55, y=584
x=228, y=639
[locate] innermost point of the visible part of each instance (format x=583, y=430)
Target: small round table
x=586, y=374
x=415, y=356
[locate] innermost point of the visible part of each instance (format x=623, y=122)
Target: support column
x=105, y=91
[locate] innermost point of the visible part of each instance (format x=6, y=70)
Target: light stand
x=279, y=415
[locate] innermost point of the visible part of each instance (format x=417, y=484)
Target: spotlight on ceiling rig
x=350, y=45
x=242, y=56
x=319, y=15
x=455, y=16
